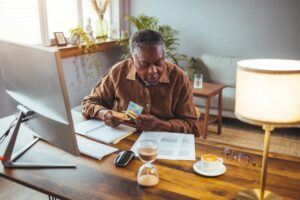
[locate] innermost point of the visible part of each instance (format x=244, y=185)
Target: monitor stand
x=9, y=158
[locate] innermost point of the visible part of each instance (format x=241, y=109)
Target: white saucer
x=218, y=172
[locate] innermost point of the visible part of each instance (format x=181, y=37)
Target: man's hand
x=147, y=122
x=108, y=117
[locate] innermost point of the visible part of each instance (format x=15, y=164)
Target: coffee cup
x=210, y=162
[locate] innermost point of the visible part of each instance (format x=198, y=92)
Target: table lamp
x=267, y=95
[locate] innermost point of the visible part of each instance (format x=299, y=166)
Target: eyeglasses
x=242, y=159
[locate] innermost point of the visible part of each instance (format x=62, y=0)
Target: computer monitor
x=34, y=77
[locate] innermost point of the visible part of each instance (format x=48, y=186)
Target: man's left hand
x=146, y=122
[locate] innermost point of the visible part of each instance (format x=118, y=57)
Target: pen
x=121, y=138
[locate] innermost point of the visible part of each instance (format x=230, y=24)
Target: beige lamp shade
x=268, y=92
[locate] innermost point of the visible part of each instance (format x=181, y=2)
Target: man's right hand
x=109, y=119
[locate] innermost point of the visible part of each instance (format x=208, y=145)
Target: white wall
x=238, y=28
x=81, y=73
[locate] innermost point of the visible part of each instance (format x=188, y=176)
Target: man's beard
x=151, y=83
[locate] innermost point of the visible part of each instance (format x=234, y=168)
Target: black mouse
x=123, y=158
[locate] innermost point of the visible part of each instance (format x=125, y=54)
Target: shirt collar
x=163, y=79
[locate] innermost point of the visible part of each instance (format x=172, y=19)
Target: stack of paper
x=172, y=146
x=99, y=131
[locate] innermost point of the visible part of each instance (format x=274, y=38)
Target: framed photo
x=60, y=39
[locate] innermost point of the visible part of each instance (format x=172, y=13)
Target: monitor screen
x=33, y=76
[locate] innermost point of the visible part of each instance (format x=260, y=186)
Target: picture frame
x=60, y=39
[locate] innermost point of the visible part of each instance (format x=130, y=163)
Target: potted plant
x=79, y=37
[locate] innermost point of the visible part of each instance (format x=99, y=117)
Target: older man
x=161, y=88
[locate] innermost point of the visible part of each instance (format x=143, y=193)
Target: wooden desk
x=208, y=91
x=93, y=179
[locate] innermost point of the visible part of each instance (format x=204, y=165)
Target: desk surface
x=93, y=179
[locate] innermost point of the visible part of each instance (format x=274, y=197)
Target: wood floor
x=13, y=191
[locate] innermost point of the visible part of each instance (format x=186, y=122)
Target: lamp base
x=253, y=194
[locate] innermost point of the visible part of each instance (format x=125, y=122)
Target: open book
x=97, y=130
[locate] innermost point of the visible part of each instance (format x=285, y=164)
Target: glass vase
x=101, y=29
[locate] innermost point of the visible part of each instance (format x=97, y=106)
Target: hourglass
x=148, y=173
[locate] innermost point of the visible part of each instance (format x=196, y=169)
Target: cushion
x=221, y=69
x=195, y=65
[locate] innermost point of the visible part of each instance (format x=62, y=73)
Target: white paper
x=88, y=125
x=172, y=146
x=92, y=148
x=97, y=130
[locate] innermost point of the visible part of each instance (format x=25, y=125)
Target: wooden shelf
x=74, y=50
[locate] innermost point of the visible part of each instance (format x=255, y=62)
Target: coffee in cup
x=210, y=162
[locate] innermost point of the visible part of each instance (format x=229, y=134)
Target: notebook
x=93, y=149
x=97, y=130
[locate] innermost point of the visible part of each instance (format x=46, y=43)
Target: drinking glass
x=198, y=80
x=148, y=173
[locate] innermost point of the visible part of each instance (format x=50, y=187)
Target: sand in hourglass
x=148, y=180
x=147, y=155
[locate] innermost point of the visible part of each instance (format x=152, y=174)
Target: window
x=62, y=15
x=19, y=21
x=34, y=21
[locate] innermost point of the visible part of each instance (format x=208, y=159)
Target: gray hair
x=144, y=38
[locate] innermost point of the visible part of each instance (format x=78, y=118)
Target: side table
x=208, y=91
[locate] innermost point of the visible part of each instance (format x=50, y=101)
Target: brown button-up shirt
x=170, y=99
